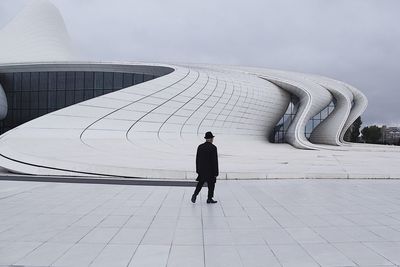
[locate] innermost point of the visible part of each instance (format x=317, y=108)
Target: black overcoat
x=207, y=162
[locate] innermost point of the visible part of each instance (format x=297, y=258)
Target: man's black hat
x=209, y=135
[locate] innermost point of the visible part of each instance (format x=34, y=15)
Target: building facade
x=64, y=116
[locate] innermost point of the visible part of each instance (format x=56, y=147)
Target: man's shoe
x=193, y=199
x=211, y=201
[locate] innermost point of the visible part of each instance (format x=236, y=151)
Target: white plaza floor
x=255, y=223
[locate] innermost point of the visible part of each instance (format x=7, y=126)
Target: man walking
x=206, y=167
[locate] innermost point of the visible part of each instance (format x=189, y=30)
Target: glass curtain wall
x=317, y=119
x=282, y=126
x=33, y=94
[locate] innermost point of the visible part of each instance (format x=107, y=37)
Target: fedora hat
x=209, y=135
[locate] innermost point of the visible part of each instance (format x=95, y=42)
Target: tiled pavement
x=255, y=223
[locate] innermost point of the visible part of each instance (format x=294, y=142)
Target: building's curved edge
x=3, y=103
x=329, y=130
x=360, y=103
x=147, y=68
x=37, y=33
x=312, y=99
x=346, y=96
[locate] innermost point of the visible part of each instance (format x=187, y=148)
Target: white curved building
x=60, y=116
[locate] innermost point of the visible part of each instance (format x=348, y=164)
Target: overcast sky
x=356, y=41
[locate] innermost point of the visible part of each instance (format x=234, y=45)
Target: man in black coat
x=206, y=167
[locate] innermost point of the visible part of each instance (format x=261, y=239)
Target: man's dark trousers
x=211, y=186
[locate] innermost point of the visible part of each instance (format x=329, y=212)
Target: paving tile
x=80, y=255
x=334, y=234
x=218, y=237
x=189, y=223
x=163, y=222
x=128, y=236
x=188, y=237
x=386, y=232
x=361, y=234
x=327, y=255
x=222, y=256
x=293, y=255
x=305, y=235
x=361, y=254
x=389, y=250
x=114, y=255
x=253, y=256
x=100, y=235
x=276, y=236
x=192, y=256
x=191, y=211
x=314, y=220
x=124, y=210
x=158, y=237
x=139, y=222
x=239, y=222
x=247, y=237
x=72, y=234
x=263, y=222
x=114, y=221
x=150, y=256
x=12, y=252
x=45, y=255
x=215, y=223
x=90, y=220
x=286, y=222
x=337, y=220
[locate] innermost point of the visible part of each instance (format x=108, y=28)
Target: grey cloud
x=351, y=40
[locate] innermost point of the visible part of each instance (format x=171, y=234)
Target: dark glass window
x=147, y=77
x=26, y=81
x=70, y=81
x=34, y=100
x=60, y=80
x=43, y=100
x=79, y=81
x=78, y=96
x=61, y=99
x=33, y=94
x=127, y=79
x=52, y=100
x=34, y=83
x=118, y=79
x=52, y=81
x=88, y=94
x=98, y=81
x=108, y=80
x=138, y=78
x=89, y=80
x=17, y=81
x=43, y=81
x=69, y=97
